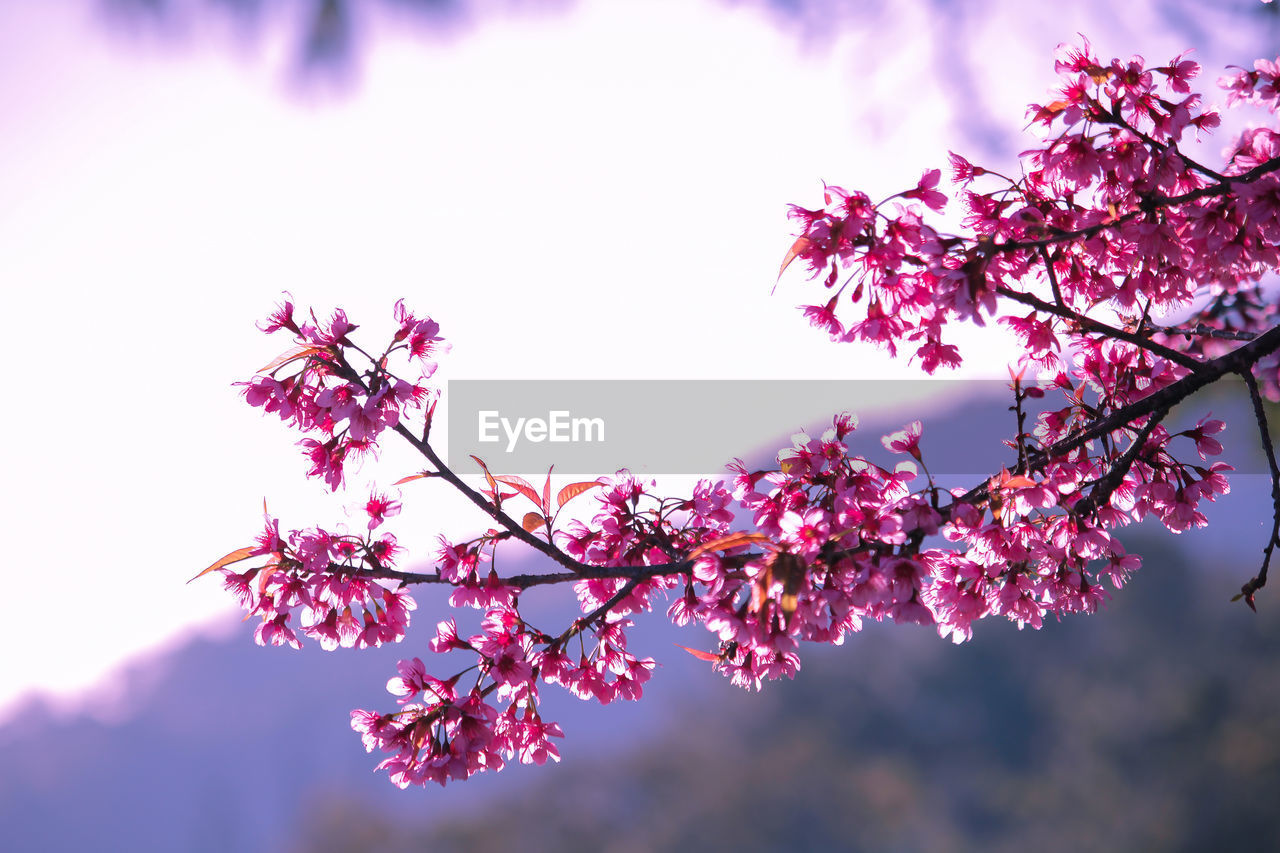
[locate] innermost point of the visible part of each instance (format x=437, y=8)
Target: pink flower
x=905, y=440
x=458, y=563
x=553, y=664
x=808, y=530
x=934, y=354
x=238, y=585
x=1179, y=71
x=380, y=507
x=411, y=680
x=280, y=318
x=824, y=317
x=534, y=744
x=276, y=632
x=326, y=460
x=333, y=333
x=332, y=628
x=386, y=550
x=398, y=604
x=492, y=593
x=635, y=673
x=587, y=682
x=511, y=671
x=420, y=336
x=446, y=638
x=1072, y=59
x=1205, y=445
x=925, y=191
x=269, y=393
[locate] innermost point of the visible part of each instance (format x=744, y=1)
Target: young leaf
x=301, y=351
x=413, y=477
x=493, y=486
x=794, y=252
x=521, y=485
x=699, y=654
x=733, y=540
x=234, y=557
x=572, y=490
x=430, y=416
x=532, y=521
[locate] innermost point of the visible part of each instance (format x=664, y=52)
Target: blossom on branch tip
x=925, y=191
x=380, y=507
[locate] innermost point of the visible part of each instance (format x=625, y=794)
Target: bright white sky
x=597, y=193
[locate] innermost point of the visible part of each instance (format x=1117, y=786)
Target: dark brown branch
x=1149, y=203
x=1260, y=580
x=508, y=523
x=1110, y=482
x=344, y=369
x=1201, y=330
x=1206, y=373
x=1053, y=278
x=1091, y=325
x=520, y=581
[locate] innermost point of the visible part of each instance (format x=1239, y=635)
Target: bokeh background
x=574, y=189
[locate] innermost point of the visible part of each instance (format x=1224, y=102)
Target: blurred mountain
x=218, y=749
x=222, y=746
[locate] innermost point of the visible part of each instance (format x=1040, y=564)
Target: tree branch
x=1260, y=580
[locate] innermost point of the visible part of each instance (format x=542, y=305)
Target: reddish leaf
x=234, y=557
x=699, y=654
x=300, y=351
x=1005, y=480
x=521, y=485
x=733, y=540
x=1019, y=482
x=1047, y=112
x=430, y=416
x=546, y=492
x=413, y=477
x=798, y=247
x=572, y=490
x=532, y=521
x=263, y=579
x=493, y=486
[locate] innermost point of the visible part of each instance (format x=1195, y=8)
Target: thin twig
x=1089, y=324
x=1260, y=580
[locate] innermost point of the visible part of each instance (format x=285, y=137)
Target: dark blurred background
x=327, y=38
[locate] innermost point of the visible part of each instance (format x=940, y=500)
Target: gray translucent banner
x=693, y=427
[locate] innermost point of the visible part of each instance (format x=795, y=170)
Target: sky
x=595, y=192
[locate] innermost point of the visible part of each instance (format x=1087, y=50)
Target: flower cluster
x=330, y=579
x=325, y=396
x=1108, y=211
